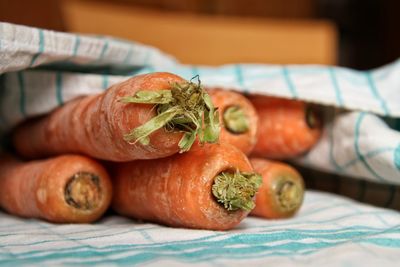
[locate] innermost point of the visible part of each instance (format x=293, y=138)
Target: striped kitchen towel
x=328, y=231
x=42, y=69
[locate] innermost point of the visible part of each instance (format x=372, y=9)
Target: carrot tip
x=83, y=191
x=290, y=195
x=235, y=120
x=236, y=190
x=312, y=119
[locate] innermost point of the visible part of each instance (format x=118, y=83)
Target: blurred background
x=361, y=34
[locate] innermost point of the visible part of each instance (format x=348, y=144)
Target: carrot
x=238, y=119
x=287, y=128
x=206, y=188
x=64, y=189
x=147, y=116
x=282, y=190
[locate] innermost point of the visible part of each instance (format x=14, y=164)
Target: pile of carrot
x=161, y=149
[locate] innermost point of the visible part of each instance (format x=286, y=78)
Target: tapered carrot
x=286, y=129
x=206, y=188
x=64, y=189
x=282, y=190
x=148, y=116
x=238, y=119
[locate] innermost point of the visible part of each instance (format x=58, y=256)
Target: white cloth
x=43, y=69
x=328, y=231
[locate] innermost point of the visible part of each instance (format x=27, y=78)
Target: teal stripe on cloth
x=342, y=167
x=59, y=96
x=251, y=239
x=375, y=92
x=339, y=98
x=239, y=75
x=251, y=245
x=95, y=230
x=240, y=78
x=358, y=151
x=195, y=71
x=387, y=242
x=76, y=45
x=22, y=97
x=66, y=237
x=397, y=157
x=292, y=234
x=289, y=82
x=105, y=81
x=103, y=50
x=41, y=47
x=368, y=155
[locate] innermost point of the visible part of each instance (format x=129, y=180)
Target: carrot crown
x=236, y=190
x=235, y=120
x=186, y=108
x=311, y=118
x=289, y=194
x=83, y=191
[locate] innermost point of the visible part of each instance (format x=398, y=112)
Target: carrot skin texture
x=95, y=125
x=36, y=189
x=267, y=198
x=176, y=191
x=224, y=99
x=283, y=132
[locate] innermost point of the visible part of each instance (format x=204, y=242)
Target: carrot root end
x=83, y=191
x=290, y=195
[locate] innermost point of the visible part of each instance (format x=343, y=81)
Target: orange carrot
x=282, y=190
x=64, y=189
x=148, y=116
x=238, y=119
x=206, y=188
x=287, y=128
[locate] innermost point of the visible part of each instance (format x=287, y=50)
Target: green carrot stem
x=236, y=190
x=289, y=194
x=185, y=108
x=236, y=120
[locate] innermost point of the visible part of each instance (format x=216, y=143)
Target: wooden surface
x=212, y=40
x=38, y=13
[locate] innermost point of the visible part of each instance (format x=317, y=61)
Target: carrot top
x=235, y=120
x=290, y=194
x=186, y=107
x=236, y=190
x=83, y=191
